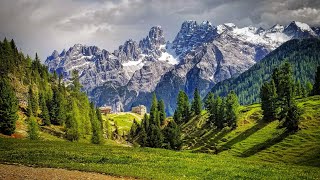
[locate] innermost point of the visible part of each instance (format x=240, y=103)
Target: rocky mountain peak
x=276, y=28
x=55, y=54
x=156, y=35
x=192, y=34
x=297, y=29
x=151, y=44
x=316, y=30
x=128, y=51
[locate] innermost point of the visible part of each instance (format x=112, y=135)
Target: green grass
x=123, y=120
x=145, y=162
x=259, y=140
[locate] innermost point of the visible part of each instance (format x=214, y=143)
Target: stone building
x=141, y=109
x=105, y=110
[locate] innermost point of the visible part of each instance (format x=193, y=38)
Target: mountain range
x=200, y=56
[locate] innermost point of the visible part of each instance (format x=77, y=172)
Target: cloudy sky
x=42, y=26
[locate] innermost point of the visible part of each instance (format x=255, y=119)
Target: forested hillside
x=303, y=55
x=259, y=139
x=42, y=99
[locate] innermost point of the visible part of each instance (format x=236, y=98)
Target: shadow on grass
x=205, y=138
x=210, y=146
x=268, y=143
x=244, y=135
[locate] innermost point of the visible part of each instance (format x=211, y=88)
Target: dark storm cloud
x=57, y=24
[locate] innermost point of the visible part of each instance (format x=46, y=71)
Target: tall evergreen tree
x=182, y=112
x=309, y=88
x=108, y=129
x=99, y=116
x=33, y=128
x=232, y=109
x=155, y=138
x=133, y=130
x=8, y=107
x=298, y=89
x=285, y=102
x=58, y=107
x=145, y=122
x=196, y=103
x=162, y=112
x=285, y=89
x=210, y=107
x=172, y=136
x=268, y=97
x=154, y=117
x=75, y=81
x=143, y=139
x=32, y=103
x=96, y=126
x=72, y=122
x=316, y=86
x=44, y=110
x=221, y=119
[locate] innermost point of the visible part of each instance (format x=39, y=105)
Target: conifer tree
x=284, y=101
x=33, y=128
x=133, y=130
x=221, y=112
x=182, y=112
x=292, y=119
x=75, y=81
x=162, y=112
x=285, y=90
x=72, y=122
x=44, y=110
x=298, y=89
x=155, y=139
x=309, y=88
x=145, y=122
x=32, y=103
x=316, y=86
x=210, y=107
x=196, y=103
x=143, y=139
x=154, y=117
x=268, y=97
x=172, y=136
x=99, y=116
x=8, y=107
x=58, y=107
x=96, y=126
x=108, y=129
x=232, y=109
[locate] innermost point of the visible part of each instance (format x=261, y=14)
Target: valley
x=159, y=89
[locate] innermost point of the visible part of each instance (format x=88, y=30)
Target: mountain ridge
x=201, y=55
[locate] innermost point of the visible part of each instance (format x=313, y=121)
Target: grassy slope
x=124, y=120
x=256, y=139
x=144, y=162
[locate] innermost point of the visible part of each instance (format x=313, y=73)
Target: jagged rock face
x=201, y=55
x=153, y=44
x=299, y=30
x=128, y=51
x=316, y=30
x=192, y=35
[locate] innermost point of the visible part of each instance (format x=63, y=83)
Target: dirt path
x=9, y=172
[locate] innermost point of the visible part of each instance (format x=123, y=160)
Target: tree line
x=279, y=94
x=44, y=98
x=304, y=55
x=155, y=131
